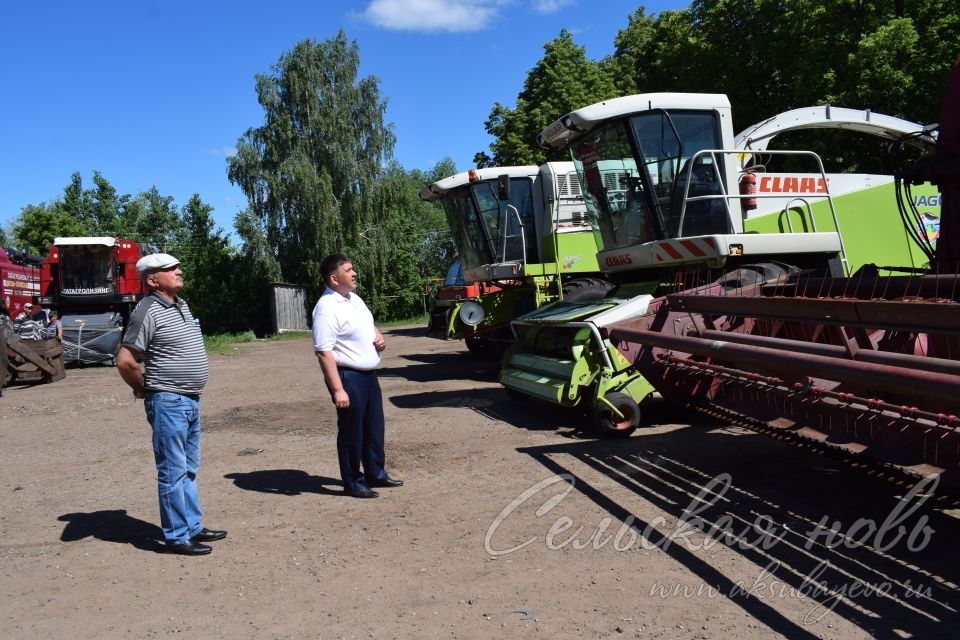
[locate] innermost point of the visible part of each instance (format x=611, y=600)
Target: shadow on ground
x=537, y=415
x=286, y=482
x=410, y=332
x=495, y=404
x=883, y=559
x=112, y=526
x=430, y=367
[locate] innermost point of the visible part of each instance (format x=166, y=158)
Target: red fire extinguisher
x=748, y=187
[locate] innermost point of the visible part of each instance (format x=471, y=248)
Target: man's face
x=168, y=281
x=345, y=278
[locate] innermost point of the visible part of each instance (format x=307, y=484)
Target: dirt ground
x=513, y=522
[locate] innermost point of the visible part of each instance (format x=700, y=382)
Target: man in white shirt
x=348, y=346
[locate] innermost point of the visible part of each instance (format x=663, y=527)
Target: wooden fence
x=288, y=308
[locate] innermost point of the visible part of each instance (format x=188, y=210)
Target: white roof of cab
x=440, y=188
x=558, y=134
x=758, y=136
x=105, y=240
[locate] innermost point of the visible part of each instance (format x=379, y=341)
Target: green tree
x=107, y=206
x=100, y=210
x=254, y=268
x=438, y=248
x=309, y=171
x=37, y=225
x=205, y=251
x=77, y=202
x=407, y=245
x=150, y=218
x=889, y=56
x=563, y=80
x=633, y=56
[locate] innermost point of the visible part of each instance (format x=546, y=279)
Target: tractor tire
x=477, y=346
x=586, y=290
x=608, y=424
x=516, y=396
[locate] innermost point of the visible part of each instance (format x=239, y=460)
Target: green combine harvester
x=676, y=201
x=524, y=240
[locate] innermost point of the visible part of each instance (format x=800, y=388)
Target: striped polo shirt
x=170, y=345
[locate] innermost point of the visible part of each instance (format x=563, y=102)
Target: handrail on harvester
x=742, y=157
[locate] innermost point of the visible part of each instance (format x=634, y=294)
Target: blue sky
x=157, y=93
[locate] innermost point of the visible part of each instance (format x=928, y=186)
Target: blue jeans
x=175, y=420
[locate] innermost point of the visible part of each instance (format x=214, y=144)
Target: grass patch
x=423, y=318
x=290, y=335
x=223, y=342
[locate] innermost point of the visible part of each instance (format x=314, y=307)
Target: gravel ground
x=513, y=522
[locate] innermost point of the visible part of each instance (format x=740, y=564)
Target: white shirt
x=345, y=326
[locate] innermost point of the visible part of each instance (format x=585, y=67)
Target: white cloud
x=550, y=6
x=225, y=152
x=433, y=15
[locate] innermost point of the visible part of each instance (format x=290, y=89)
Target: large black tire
x=516, y=396
x=608, y=424
x=586, y=290
x=477, y=346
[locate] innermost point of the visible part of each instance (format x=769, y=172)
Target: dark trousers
x=360, y=430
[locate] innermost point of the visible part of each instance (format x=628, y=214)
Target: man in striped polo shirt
x=164, y=337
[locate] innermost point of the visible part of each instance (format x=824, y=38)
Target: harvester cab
x=865, y=367
x=668, y=191
x=93, y=283
x=523, y=237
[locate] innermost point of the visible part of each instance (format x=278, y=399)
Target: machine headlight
x=471, y=313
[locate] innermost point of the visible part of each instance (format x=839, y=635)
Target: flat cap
x=156, y=261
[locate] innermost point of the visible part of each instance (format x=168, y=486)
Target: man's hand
x=128, y=365
x=328, y=365
x=378, y=342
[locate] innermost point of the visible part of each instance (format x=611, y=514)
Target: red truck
x=19, y=279
x=93, y=283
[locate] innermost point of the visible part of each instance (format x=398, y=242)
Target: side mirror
x=503, y=181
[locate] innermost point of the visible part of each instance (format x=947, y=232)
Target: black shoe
x=361, y=493
x=208, y=535
x=189, y=548
x=389, y=482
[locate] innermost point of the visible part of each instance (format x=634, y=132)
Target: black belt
x=344, y=368
x=193, y=396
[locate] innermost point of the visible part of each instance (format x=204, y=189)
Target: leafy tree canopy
x=563, y=80
x=767, y=56
x=310, y=170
